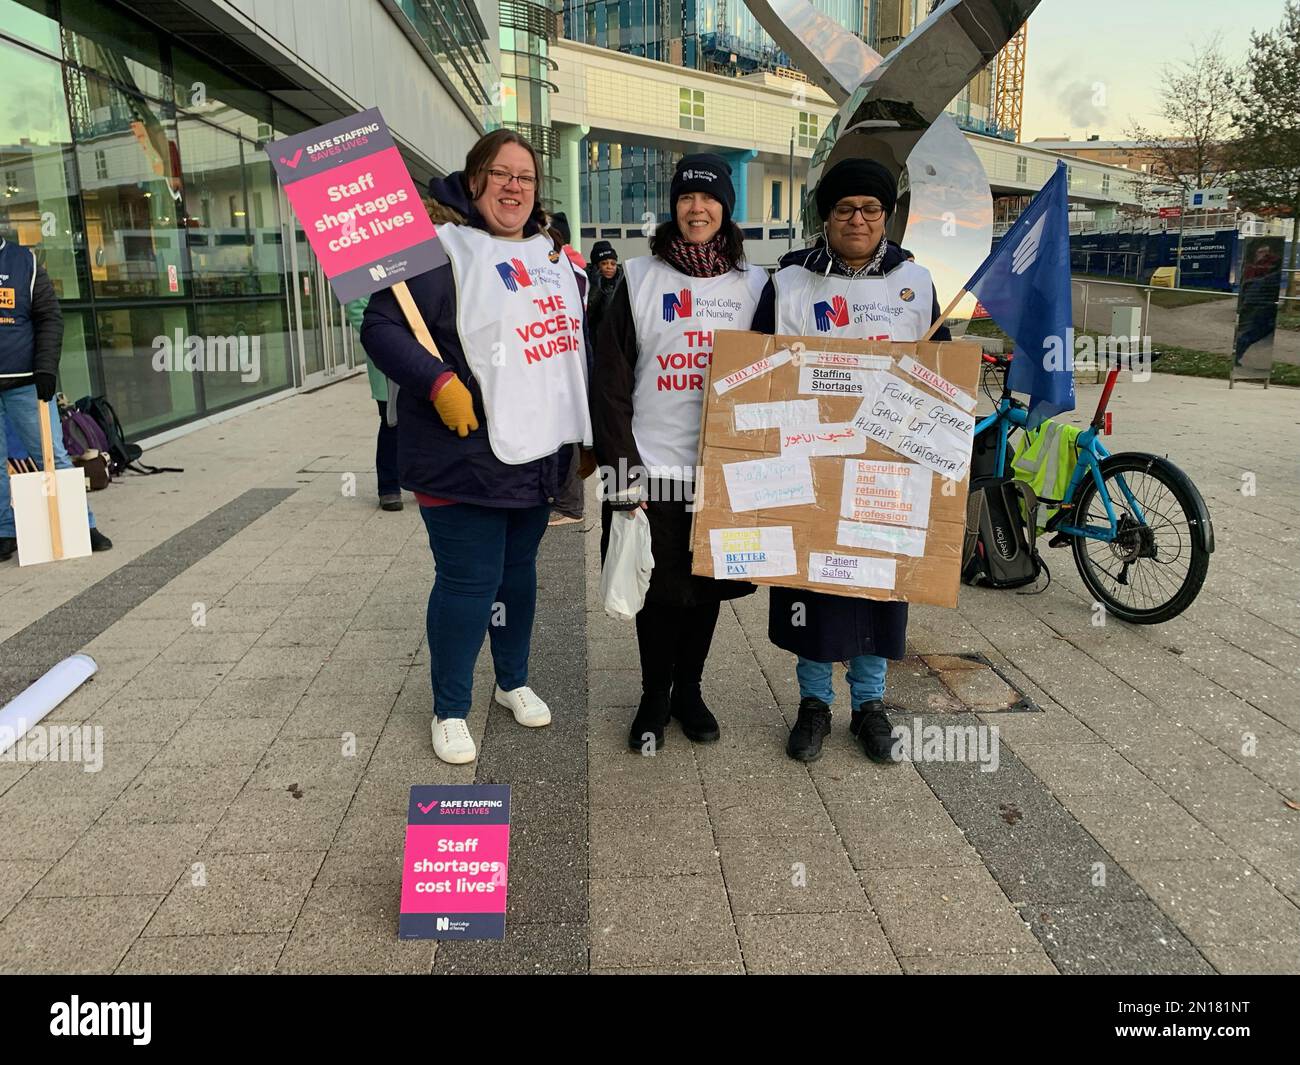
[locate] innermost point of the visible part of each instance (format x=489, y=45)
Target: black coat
x=612, y=381
x=817, y=625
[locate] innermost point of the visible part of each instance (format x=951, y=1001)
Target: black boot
x=874, y=732
x=649, y=724
x=8, y=545
x=811, y=727
x=100, y=542
x=697, y=721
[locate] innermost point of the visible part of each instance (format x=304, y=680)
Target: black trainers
x=811, y=727
x=874, y=732
x=696, y=719
x=649, y=724
x=8, y=545
x=99, y=542
x=392, y=502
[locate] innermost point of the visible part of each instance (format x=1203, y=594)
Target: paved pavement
x=249, y=812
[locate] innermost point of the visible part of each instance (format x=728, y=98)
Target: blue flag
x=1025, y=286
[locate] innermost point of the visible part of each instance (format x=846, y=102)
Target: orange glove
x=455, y=406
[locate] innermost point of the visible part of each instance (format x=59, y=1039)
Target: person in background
x=488, y=423
x=603, y=275
x=646, y=421
x=569, y=501
x=886, y=296
x=390, y=488
x=31, y=344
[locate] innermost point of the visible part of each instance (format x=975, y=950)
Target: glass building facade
x=527, y=32
x=135, y=169
x=624, y=182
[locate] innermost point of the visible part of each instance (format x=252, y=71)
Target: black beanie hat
x=704, y=172
x=602, y=250
x=856, y=177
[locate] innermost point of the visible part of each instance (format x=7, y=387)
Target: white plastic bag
x=628, y=563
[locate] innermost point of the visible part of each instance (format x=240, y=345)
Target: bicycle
x=1124, y=538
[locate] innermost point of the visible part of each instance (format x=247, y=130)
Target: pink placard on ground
x=456, y=862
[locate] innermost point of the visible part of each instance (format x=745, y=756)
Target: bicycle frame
x=1091, y=453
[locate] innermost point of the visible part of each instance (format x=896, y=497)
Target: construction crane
x=1009, y=90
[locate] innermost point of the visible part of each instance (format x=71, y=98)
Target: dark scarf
x=698, y=260
x=871, y=266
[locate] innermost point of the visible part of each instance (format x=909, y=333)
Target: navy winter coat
x=433, y=459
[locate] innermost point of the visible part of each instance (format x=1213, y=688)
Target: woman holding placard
x=652, y=356
x=485, y=424
x=856, y=284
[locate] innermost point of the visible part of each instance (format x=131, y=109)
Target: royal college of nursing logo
x=835, y=313
x=677, y=304
x=907, y=295
x=514, y=275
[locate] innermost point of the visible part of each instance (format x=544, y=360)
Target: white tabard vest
x=896, y=306
x=675, y=317
x=519, y=315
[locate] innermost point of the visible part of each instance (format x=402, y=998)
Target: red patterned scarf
x=698, y=260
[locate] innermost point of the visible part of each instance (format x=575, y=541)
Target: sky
x=1094, y=66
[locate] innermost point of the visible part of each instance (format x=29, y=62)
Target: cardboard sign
x=887, y=440
x=454, y=868
x=355, y=200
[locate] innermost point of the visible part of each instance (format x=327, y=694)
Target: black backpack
x=122, y=455
x=1001, y=514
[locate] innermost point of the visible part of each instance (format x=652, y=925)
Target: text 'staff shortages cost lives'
x=355, y=199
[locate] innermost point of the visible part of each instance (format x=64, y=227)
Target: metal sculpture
x=892, y=110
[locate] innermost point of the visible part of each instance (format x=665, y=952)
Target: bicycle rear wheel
x=1154, y=568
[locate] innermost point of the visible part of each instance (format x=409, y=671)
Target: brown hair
x=480, y=158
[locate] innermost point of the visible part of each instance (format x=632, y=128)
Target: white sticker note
x=894, y=539
x=829, y=438
x=848, y=360
x=762, y=483
x=858, y=571
x=916, y=425
x=940, y=384
x=829, y=381
x=754, y=369
x=888, y=493
x=759, y=552
x=790, y=413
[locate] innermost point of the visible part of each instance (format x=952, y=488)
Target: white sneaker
x=527, y=706
x=452, y=741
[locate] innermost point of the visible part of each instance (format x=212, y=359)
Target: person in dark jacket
x=647, y=402
x=31, y=343
x=486, y=421
x=603, y=277
x=883, y=295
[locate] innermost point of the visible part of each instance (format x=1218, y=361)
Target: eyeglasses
x=504, y=177
x=871, y=212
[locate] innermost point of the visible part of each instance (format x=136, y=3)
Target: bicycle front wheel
x=1156, y=564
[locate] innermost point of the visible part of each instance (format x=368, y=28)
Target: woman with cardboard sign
x=859, y=285
x=652, y=356
x=485, y=425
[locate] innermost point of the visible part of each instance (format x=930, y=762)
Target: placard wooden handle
x=934, y=326
x=414, y=319
x=51, y=482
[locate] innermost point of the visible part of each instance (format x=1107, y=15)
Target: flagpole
x=934, y=326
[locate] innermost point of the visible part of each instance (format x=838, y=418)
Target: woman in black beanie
x=647, y=396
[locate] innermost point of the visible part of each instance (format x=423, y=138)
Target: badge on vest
x=907, y=295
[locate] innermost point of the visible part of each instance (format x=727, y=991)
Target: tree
x=1196, y=98
x=1266, y=117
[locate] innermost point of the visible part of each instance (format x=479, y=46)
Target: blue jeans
x=18, y=406
x=485, y=581
x=866, y=677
